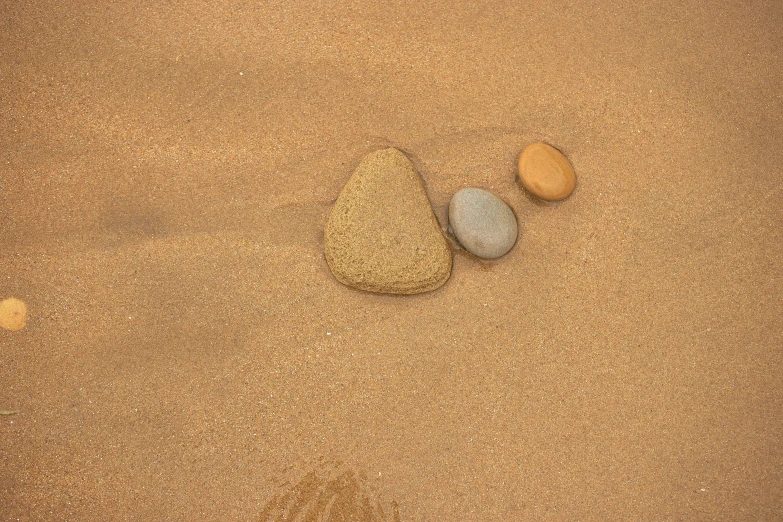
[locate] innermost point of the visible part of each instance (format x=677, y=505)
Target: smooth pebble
x=13, y=314
x=482, y=223
x=546, y=173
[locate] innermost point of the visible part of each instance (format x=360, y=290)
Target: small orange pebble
x=546, y=173
x=13, y=313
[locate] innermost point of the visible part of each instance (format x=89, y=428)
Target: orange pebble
x=13, y=313
x=546, y=173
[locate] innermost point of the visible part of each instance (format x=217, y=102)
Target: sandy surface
x=166, y=170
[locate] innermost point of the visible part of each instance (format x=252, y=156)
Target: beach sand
x=166, y=171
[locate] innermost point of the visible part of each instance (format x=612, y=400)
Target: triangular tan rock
x=382, y=235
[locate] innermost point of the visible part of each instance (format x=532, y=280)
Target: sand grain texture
x=166, y=174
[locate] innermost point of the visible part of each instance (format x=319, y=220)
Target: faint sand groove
x=330, y=492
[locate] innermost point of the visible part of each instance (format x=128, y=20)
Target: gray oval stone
x=482, y=223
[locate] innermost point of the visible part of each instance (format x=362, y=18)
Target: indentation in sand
x=330, y=491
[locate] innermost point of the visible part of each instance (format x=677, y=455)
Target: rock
x=482, y=223
x=382, y=235
x=546, y=173
x=13, y=314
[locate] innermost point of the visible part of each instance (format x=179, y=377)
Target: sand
x=166, y=171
